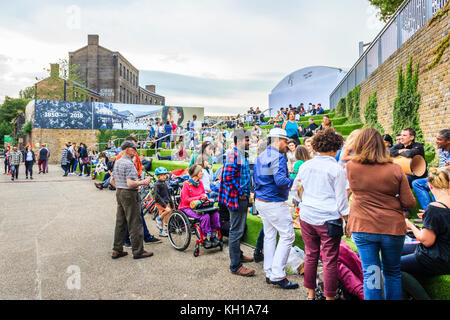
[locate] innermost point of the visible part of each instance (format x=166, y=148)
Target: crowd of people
x=15, y=157
x=341, y=186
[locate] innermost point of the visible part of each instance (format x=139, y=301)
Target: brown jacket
x=380, y=191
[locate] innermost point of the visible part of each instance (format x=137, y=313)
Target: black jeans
x=29, y=168
x=238, y=220
x=15, y=171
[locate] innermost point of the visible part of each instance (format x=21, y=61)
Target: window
x=128, y=75
x=120, y=68
x=120, y=91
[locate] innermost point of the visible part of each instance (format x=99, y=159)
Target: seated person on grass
x=107, y=177
x=192, y=195
x=163, y=200
x=420, y=186
x=432, y=255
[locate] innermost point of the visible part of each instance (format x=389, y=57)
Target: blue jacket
x=271, y=176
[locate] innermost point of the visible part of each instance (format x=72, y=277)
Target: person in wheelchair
x=193, y=196
x=163, y=200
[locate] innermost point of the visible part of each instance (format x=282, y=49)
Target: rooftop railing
x=406, y=21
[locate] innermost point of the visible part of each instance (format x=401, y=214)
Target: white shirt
x=325, y=196
x=29, y=156
x=297, y=117
x=206, y=180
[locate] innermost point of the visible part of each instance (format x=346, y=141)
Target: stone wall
x=57, y=138
x=434, y=84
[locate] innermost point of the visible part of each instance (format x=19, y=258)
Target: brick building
x=111, y=75
x=56, y=88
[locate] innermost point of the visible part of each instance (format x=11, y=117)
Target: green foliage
x=28, y=93
x=371, y=114
x=27, y=128
x=430, y=153
x=387, y=8
x=341, y=108
x=352, y=103
x=406, y=105
x=105, y=134
x=11, y=108
x=5, y=129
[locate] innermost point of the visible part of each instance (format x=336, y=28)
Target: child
x=301, y=155
x=163, y=200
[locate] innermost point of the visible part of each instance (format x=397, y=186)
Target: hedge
x=345, y=130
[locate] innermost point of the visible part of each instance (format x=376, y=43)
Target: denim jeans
x=369, y=247
x=238, y=219
x=421, y=190
x=260, y=241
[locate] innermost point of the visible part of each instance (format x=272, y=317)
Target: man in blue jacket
x=272, y=185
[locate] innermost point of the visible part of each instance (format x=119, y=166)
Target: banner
x=8, y=141
x=62, y=115
x=106, y=115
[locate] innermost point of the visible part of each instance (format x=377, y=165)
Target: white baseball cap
x=278, y=133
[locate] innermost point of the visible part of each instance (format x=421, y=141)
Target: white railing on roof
x=409, y=17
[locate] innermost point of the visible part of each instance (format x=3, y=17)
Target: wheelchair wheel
x=196, y=252
x=179, y=230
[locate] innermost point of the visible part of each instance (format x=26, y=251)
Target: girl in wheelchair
x=193, y=196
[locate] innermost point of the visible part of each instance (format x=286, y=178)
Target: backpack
x=69, y=156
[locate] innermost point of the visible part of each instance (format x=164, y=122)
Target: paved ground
x=52, y=226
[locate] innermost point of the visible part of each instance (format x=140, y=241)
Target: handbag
x=335, y=228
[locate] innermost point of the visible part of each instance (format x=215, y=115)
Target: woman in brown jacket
x=377, y=221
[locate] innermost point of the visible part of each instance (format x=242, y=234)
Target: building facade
x=111, y=75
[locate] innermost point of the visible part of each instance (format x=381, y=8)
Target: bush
x=341, y=109
x=371, y=114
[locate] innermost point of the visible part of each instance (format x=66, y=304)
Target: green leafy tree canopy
x=387, y=8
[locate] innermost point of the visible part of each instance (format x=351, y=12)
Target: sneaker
x=31, y=178
x=162, y=233
x=127, y=245
x=258, y=256
x=286, y=284
x=152, y=239
x=245, y=272
x=207, y=244
x=26, y=178
x=99, y=185
x=215, y=242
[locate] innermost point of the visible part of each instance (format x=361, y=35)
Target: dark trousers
x=238, y=219
x=260, y=241
x=71, y=165
x=14, y=171
x=42, y=165
x=147, y=235
x=6, y=166
x=128, y=216
x=66, y=168
x=29, y=168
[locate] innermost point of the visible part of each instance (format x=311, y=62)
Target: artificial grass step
x=437, y=287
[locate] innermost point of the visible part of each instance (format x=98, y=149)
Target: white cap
x=278, y=133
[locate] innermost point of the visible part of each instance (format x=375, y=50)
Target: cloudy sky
x=224, y=55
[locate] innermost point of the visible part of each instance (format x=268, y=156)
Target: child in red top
x=192, y=194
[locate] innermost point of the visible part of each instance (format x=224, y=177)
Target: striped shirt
x=124, y=169
x=444, y=157
x=64, y=160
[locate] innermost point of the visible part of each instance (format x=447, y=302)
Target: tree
x=28, y=93
x=11, y=108
x=69, y=73
x=5, y=129
x=387, y=8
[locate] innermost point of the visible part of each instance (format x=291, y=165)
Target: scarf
x=192, y=182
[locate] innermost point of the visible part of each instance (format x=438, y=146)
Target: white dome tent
x=308, y=85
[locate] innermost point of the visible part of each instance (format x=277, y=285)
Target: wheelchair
x=180, y=228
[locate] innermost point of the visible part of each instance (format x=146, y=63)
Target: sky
x=224, y=55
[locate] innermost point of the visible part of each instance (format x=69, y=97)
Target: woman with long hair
x=30, y=159
x=432, y=255
x=377, y=220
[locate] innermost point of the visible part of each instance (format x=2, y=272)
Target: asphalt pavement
x=56, y=237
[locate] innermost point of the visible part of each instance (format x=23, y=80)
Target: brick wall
x=57, y=138
x=434, y=84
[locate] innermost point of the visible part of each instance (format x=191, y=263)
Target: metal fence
x=409, y=17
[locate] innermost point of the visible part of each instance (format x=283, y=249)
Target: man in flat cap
x=125, y=179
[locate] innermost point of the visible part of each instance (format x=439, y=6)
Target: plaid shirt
x=15, y=158
x=235, y=180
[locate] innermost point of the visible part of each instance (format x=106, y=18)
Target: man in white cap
x=272, y=185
